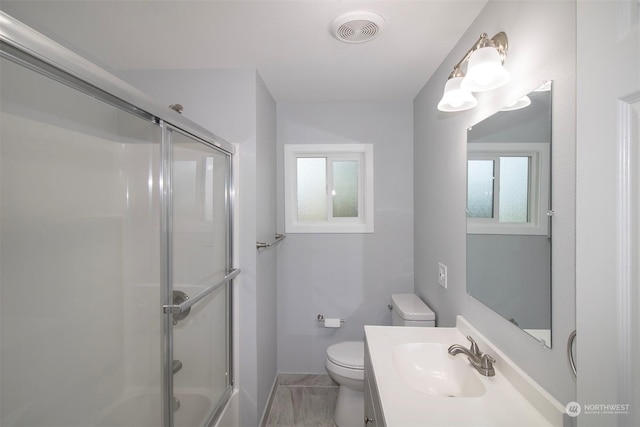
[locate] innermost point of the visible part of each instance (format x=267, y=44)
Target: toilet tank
x=410, y=310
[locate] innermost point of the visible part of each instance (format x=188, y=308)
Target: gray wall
x=266, y=279
x=510, y=274
x=345, y=275
x=235, y=104
x=541, y=47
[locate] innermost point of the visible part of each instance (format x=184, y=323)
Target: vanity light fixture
x=519, y=103
x=455, y=98
x=485, y=72
x=545, y=86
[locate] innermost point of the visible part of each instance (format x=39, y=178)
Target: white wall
x=236, y=105
x=541, y=46
x=345, y=275
x=608, y=215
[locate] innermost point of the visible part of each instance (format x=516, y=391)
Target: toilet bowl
x=345, y=364
x=345, y=360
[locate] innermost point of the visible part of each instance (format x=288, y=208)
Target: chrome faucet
x=479, y=360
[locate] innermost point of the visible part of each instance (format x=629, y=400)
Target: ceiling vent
x=357, y=27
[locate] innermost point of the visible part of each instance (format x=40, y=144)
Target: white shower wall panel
x=141, y=279
x=62, y=272
x=76, y=191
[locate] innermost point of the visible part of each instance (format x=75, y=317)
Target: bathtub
x=144, y=410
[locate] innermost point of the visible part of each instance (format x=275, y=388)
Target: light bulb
x=519, y=103
x=485, y=71
x=484, y=74
x=456, y=101
x=454, y=98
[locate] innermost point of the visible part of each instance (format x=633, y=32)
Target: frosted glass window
x=480, y=189
x=514, y=189
x=328, y=188
x=312, y=188
x=345, y=189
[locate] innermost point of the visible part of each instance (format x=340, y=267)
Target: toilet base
x=349, y=408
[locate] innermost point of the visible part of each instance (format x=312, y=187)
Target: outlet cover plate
x=442, y=275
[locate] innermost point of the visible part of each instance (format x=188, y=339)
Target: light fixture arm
x=499, y=41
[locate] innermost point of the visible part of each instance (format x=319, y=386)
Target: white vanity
x=411, y=380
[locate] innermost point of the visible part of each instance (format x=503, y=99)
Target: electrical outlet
x=442, y=275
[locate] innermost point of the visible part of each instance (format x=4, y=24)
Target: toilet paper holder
x=322, y=319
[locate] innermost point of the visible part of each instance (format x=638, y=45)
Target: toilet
x=345, y=360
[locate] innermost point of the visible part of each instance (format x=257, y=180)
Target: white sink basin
x=412, y=374
x=429, y=369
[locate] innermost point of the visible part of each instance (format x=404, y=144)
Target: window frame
x=538, y=192
x=363, y=153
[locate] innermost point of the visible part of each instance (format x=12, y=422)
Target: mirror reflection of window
x=506, y=176
x=507, y=188
x=480, y=189
x=514, y=189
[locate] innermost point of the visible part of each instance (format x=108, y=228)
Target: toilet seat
x=346, y=374
x=348, y=354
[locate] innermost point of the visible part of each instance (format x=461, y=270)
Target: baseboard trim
x=272, y=395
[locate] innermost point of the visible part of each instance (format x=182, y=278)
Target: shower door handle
x=184, y=306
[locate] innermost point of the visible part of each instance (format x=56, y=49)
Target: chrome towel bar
x=260, y=245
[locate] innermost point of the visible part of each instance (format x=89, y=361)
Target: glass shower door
x=79, y=258
x=199, y=267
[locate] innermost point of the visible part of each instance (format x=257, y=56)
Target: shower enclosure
x=115, y=249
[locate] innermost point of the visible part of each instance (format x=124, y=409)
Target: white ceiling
x=289, y=42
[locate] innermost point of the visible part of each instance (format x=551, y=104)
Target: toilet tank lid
x=411, y=307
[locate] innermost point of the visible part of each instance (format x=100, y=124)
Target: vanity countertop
x=511, y=397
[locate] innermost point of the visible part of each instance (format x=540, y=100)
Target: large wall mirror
x=508, y=212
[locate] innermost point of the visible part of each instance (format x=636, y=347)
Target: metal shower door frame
x=166, y=275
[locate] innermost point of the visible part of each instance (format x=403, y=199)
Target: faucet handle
x=486, y=365
x=487, y=361
x=474, y=347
